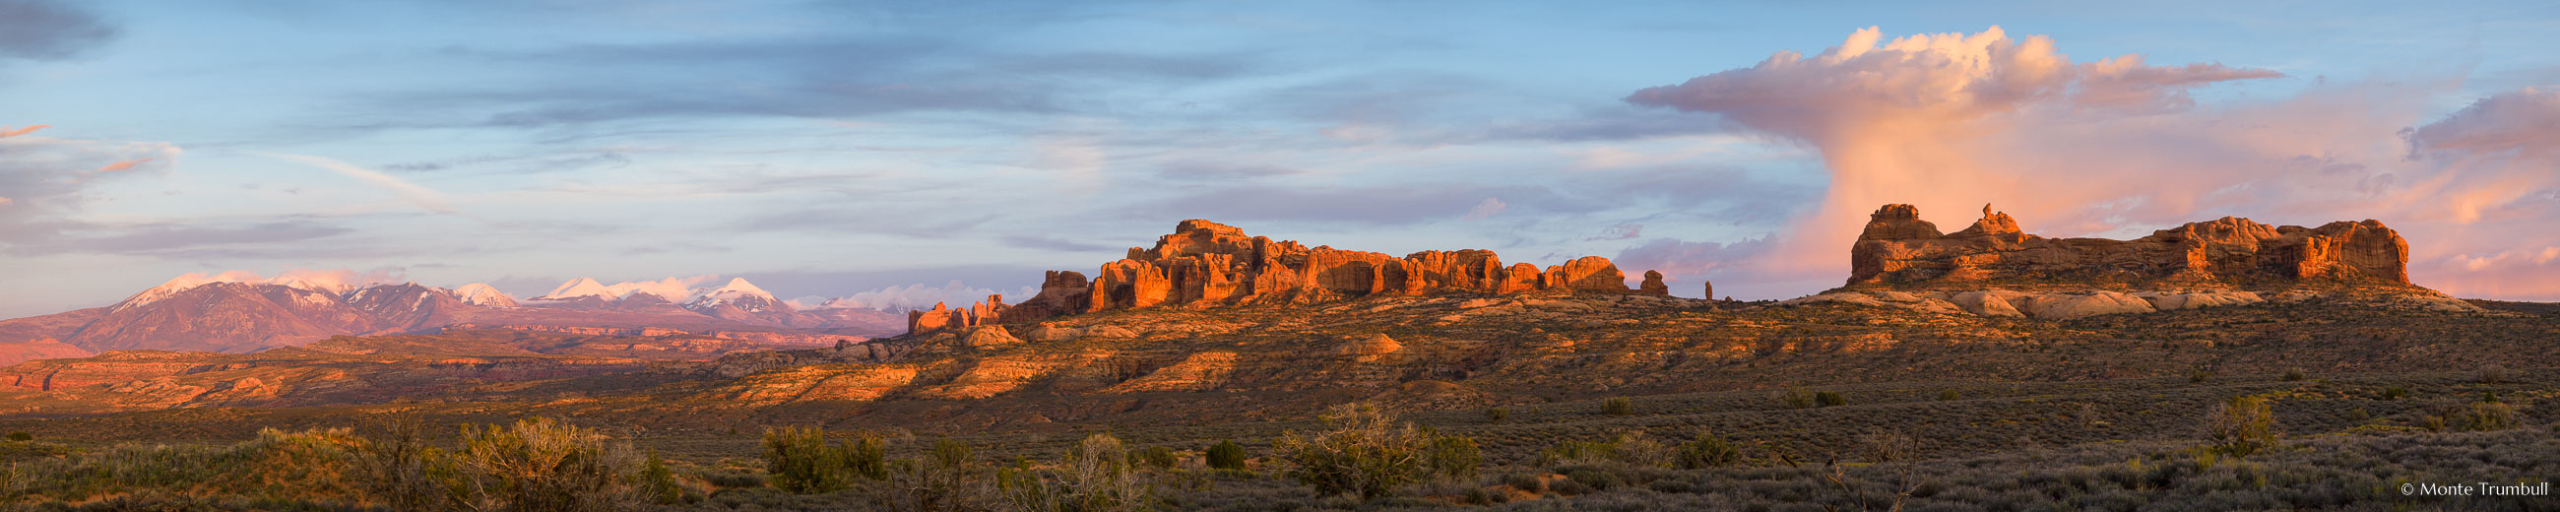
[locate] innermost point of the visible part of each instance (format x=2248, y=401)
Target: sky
x=902, y=153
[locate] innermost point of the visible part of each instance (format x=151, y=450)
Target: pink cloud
x=7, y=133
x=2116, y=146
x=123, y=165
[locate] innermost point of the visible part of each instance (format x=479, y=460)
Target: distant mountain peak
x=738, y=287
x=331, y=282
x=580, y=287
x=481, y=294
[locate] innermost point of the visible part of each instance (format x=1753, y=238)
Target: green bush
x=2487, y=416
x=1364, y=451
x=1627, y=448
x=799, y=460
x=1617, y=406
x=945, y=479
x=1948, y=395
x=543, y=464
x=1496, y=414
x=1226, y=455
x=1708, y=450
x=1095, y=477
x=1454, y=457
x=1158, y=457
x=21, y=436
x=658, y=483
x=2241, y=425
x=2394, y=393
x=1796, y=398
x=1830, y=398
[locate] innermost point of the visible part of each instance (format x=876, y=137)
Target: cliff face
x=1899, y=250
x=1209, y=264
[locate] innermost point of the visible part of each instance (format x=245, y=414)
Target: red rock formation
x=1899, y=249
x=1205, y=264
x=1653, y=284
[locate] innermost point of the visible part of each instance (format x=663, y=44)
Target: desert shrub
x=658, y=482
x=1627, y=448
x=2294, y=374
x=1575, y=453
x=2199, y=375
x=1830, y=398
x=1454, y=457
x=1093, y=478
x=2241, y=426
x=2394, y=393
x=1706, y=451
x=945, y=479
x=2489, y=415
x=21, y=436
x=401, y=469
x=543, y=464
x=1796, y=398
x=799, y=460
x=1364, y=451
x=1158, y=457
x=1596, y=478
x=1617, y=406
x=2492, y=374
x=1949, y=395
x=1496, y=414
x=1525, y=482
x=1226, y=455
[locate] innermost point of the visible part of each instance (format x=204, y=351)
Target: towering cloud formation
x=1897, y=122
x=1953, y=121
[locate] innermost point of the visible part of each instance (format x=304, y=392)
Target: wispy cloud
x=6, y=133
x=422, y=197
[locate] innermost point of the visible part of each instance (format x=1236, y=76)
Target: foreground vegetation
x=1354, y=457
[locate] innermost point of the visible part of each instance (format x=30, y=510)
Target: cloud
x=422, y=197
x=916, y=296
x=50, y=180
x=1382, y=205
x=1943, y=120
x=48, y=30
x=1057, y=244
x=1488, y=208
x=124, y=165
x=1681, y=260
x=1619, y=232
x=180, y=239
x=6, y=133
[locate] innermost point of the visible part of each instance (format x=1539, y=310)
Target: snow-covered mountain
x=743, y=302
x=242, y=312
x=481, y=294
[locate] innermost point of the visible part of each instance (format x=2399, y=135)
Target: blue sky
x=834, y=148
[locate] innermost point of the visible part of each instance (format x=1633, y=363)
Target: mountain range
x=231, y=314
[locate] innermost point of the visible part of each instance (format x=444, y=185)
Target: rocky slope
x=1204, y=264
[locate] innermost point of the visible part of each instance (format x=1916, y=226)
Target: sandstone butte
x=1206, y=264
x=1900, y=251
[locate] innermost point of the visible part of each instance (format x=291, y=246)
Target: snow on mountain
x=739, y=293
x=738, y=287
x=580, y=287
x=331, y=282
x=673, y=289
x=481, y=294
